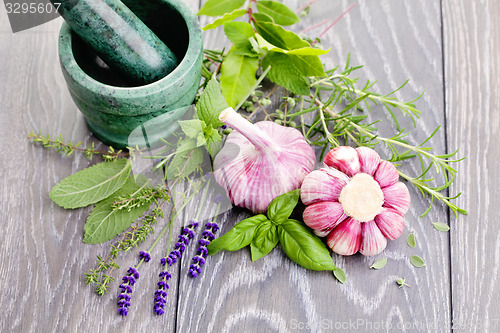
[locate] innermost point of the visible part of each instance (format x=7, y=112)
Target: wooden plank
x=395, y=40
x=472, y=68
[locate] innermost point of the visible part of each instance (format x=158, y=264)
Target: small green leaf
x=226, y=18
x=192, y=127
x=402, y=282
x=339, y=275
x=239, y=34
x=214, y=141
x=238, y=237
x=219, y=7
x=186, y=160
x=210, y=104
x=282, y=206
x=104, y=222
x=281, y=14
x=264, y=240
x=307, y=65
x=91, y=185
x=265, y=45
x=441, y=226
x=417, y=261
x=304, y=247
x=285, y=74
x=237, y=77
x=380, y=263
x=411, y=240
x=261, y=17
x=280, y=37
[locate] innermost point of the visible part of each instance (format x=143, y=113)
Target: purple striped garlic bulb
x=356, y=201
x=260, y=161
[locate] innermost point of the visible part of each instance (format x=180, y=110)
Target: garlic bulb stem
x=255, y=135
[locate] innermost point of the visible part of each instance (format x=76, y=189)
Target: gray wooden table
x=449, y=48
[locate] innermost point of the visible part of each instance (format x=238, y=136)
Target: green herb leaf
x=280, y=37
x=192, y=127
x=285, y=74
x=91, y=185
x=239, y=33
x=281, y=14
x=402, y=282
x=214, y=141
x=219, y=7
x=304, y=247
x=104, y=222
x=226, y=18
x=264, y=240
x=265, y=45
x=238, y=237
x=210, y=104
x=380, y=263
x=339, y=275
x=441, y=226
x=188, y=157
x=261, y=17
x=282, y=206
x=237, y=77
x=417, y=261
x=411, y=240
x=307, y=65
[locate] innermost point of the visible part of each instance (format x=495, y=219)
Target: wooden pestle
x=120, y=38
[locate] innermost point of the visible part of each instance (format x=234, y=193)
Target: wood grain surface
x=448, y=49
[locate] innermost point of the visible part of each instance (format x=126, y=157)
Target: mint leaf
x=304, y=247
x=285, y=74
x=282, y=206
x=91, y=185
x=280, y=13
x=214, y=141
x=188, y=157
x=238, y=237
x=339, y=275
x=104, y=223
x=279, y=37
x=307, y=65
x=237, y=77
x=265, y=239
x=226, y=18
x=239, y=34
x=219, y=7
x=192, y=127
x=210, y=104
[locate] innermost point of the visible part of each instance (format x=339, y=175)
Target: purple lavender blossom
x=145, y=256
x=126, y=287
x=202, y=252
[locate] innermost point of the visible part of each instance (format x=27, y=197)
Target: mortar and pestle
x=128, y=63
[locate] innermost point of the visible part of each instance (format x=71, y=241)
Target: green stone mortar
x=112, y=108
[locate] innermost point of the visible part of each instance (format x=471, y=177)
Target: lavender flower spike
x=202, y=252
x=126, y=287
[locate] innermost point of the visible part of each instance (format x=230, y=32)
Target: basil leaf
x=417, y=261
x=104, y=222
x=219, y=7
x=304, y=247
x=238, y=237
x=282, y=206
x=281, y=14
x=379, y=263
x=237, y=76
x=91, y=185
x=239, y=34
x=285, y=74
x=226, y=18
x=441, y=226
x=280, y=37
x=411, y=240
x=339, y=275
x=264, y=240
x=210, y=104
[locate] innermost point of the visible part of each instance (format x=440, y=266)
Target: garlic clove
x=397, y=196
x=324, y=184
x=343, y=158
x=345, y=239
x=368, y=159
x=372, y=240
x=386, y=174
x=323, y=216
x=390, y=223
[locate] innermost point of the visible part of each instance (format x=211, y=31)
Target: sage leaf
x=339, y=275
x=226, y=18
x=192, y=127
x=91, y=185
x=264, y=240
x=285, y=74
x=210, y=104
x=411, y=240
x=304, y=247
x=441, y=226
x=238, y=237
x=417, y=261
x=240, y=33
x=219, y=7
x=237, y=76
x=280, y=13
x=104, y=222
x=282, y=206
x=188, y=157
x=380, y=263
